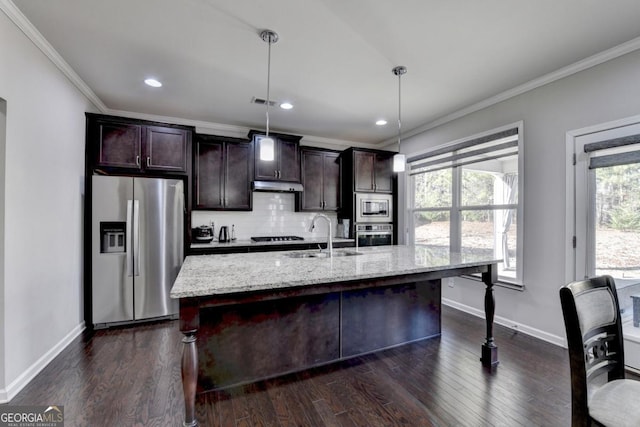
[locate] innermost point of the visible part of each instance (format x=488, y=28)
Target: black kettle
x=223, y=236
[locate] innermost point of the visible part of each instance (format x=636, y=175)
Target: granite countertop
x=204, y=275
x=243, y=243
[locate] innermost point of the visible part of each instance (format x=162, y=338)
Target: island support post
x=189, y=324
x=489, y=353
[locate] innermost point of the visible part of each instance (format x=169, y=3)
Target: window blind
x=614, y=152
x=489, y=147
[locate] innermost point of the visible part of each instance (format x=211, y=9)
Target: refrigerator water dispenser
x=112, y=237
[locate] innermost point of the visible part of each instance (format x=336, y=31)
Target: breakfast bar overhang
x=247, y=317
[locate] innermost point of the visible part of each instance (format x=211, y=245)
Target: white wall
x=42, y=209
x=600, y=94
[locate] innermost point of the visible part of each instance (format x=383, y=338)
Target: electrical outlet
x=450, y=282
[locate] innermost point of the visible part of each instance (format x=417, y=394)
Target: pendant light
x=267, y=144
x=399, y=159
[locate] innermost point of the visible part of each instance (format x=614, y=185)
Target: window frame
x=455, y=210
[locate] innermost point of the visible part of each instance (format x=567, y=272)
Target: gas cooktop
x=275, y=238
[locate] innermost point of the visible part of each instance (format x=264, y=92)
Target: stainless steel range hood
x=277, y=186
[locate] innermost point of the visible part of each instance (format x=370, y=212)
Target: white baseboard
x=519, y=327
x=25, y=378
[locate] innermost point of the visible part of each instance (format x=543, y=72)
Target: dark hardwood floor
x=131, y=377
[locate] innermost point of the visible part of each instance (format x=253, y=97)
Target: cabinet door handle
x=275, y=174
x=148, y=161
x=137, y=160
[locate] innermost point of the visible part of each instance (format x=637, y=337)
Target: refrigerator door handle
x=128, y=233
x=136, y=237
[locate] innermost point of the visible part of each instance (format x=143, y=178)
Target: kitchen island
x=259, y=315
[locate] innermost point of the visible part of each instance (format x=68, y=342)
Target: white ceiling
x=333, y=60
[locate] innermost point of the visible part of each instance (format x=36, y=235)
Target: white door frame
x=577, y=178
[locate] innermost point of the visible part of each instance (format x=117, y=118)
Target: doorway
x=606, y=214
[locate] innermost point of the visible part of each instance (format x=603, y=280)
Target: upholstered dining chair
x=600, y=394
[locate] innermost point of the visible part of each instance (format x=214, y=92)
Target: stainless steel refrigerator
x=137, y=247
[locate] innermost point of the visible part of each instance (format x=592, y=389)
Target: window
x=606, y=213
x=465, y=197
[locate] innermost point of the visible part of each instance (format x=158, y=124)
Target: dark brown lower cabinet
x=238, y=343
x=378, y=318
x=259, y=339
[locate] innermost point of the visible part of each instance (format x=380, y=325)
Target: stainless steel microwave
x=374, y=207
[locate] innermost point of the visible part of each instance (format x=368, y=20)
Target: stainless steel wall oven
x=374, y=234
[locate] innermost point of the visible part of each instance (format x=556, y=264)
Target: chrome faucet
x=329, y=234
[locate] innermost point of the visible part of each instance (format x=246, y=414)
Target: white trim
x=211, y=128
x=570, y=210
x=576, y=67
x=571, y=224
x=515, y=326
x=29, y=374
x=21, y=21
x=18, y=18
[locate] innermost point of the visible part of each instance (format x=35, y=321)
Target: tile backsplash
x=273, y=215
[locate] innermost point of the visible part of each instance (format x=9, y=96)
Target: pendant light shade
x=267, y=144
x=267, y=149
x=399, y=159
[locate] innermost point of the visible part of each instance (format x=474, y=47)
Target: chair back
x=594, y=337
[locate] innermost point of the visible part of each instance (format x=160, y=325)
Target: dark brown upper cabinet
x=223, y=170
x=285, y=166
x=320, y=179
x=165, y=149
x=119, y=144
x=373, y=171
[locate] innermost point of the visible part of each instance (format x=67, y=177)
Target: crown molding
x=212, y=128
x=201, y=126
x=597, y=59
x=21, y=21
x=18, y=18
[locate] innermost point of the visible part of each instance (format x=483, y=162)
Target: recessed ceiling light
x=286, y=106
x=381, y=122
x=153, y=83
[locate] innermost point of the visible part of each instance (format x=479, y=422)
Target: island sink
x=320, y=254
